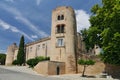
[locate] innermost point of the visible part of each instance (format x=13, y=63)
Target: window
x=30, y=49
x=43, y=46
x=60, y=42
x=60, y=17
x=60, y=28
x=38, y=47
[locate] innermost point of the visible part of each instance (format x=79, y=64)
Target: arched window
x=58, y=17
x=60, y=28
x=62, y=17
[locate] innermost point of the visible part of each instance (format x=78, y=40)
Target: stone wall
x=38, y=48
x=50, y=67
x=92, y=70
x=113, y=70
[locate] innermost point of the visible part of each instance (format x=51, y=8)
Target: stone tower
x=10, y=54
x=63, y=37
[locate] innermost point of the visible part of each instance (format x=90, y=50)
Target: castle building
x=62, y=46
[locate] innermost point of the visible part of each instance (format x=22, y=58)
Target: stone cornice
x=38, y=41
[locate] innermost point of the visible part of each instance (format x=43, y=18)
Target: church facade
x=62, y=46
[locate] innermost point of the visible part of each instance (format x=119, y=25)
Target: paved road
x=19, y=73
x=14, y=75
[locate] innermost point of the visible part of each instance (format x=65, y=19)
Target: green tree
x=91, y=37
x=112, y=51
x=85, y=63
x=2, y=58
x=105, y=30
x=21, y=53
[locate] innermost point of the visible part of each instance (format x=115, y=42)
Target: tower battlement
x=63, y=8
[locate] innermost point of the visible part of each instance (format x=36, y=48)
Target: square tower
x=63, y=37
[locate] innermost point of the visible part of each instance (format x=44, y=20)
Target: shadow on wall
x=113, y=70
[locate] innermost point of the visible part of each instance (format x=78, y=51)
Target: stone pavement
x=78, y=77
x=25, y=69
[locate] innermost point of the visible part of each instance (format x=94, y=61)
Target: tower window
x=60, y=28
x=60, y=42
x=60, y=17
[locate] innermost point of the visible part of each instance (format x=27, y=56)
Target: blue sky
x=32, y=18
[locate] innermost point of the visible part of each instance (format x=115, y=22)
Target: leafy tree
x=105, y=30
x=112, y=51
x=85, y=63
x=91, y=37
x=21, y=53
x=2, y=58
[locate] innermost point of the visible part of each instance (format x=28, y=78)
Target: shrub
x=15, y=62
x=47, y=58
x=34, y=61
x=41, y=58
x=2, y=58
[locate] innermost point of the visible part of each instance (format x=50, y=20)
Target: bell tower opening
x=60, y=17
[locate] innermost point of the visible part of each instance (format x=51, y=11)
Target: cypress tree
x=21, y=52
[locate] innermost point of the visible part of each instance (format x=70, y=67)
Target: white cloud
x=5, y=25
x=38, y=2
x=2, y=51
x=13, y=29
x=34, y=36
x=20, y=17
x=32, y=27
x=82, y=20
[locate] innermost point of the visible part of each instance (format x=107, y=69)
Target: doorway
x=58, y=70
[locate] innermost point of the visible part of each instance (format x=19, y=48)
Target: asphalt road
x=13, y=75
